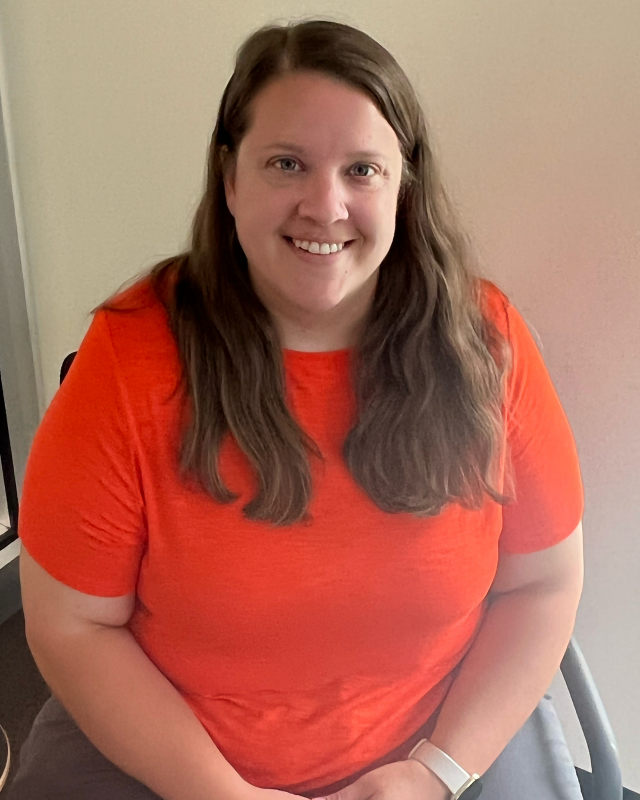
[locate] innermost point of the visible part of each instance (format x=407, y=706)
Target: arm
x=534, y=597
x=117, y=696
x=518, y=650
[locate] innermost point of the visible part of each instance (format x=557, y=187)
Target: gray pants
x=58, y=762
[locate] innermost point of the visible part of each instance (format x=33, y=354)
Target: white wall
x=536, y=110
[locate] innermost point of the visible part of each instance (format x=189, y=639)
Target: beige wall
x=536, y=110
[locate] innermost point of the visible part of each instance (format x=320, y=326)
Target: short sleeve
x=82, y=512
x=549, y=499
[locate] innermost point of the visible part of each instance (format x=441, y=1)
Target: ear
x=230, y=186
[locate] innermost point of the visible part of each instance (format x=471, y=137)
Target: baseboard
x=10, y=597
x=9, y=548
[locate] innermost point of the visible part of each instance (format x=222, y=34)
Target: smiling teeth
x=316, y=247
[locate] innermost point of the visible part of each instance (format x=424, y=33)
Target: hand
x=401, y=780
x=272, y=794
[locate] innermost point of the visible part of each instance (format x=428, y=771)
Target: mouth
x=309, y=250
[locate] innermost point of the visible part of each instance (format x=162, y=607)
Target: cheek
x=265, y=212
x=380, y=222
x=254, y=219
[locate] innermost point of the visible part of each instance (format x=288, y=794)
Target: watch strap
x=443, y=767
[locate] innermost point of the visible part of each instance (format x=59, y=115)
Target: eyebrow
x=295, y=148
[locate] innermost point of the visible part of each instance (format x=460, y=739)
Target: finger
x=355, y=791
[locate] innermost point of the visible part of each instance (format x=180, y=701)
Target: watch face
x=472, y=792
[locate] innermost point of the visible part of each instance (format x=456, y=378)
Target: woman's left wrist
x=434, y=788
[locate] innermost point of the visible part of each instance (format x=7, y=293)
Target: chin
x=320, y=305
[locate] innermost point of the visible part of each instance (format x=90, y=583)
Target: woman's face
x=319, y=164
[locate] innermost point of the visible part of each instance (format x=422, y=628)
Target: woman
x=307, y=496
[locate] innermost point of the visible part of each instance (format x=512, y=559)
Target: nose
x=324, y=199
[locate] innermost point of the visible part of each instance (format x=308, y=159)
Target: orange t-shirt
x=307, y=652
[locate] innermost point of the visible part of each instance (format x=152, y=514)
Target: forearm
x=509, y=667
x=135, y=716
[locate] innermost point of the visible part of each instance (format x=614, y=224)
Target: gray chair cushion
x=536, y=764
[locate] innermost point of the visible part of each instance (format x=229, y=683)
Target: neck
x=313, y=332
x=315, y=338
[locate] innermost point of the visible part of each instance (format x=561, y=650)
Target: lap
x=58, y=762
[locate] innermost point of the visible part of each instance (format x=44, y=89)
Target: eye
x=287, y=164
x=359, y=170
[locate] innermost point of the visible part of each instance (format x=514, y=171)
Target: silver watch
x=461, y=785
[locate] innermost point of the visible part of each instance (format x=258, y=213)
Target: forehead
x=320, y=115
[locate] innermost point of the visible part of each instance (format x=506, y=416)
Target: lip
x=317, y=258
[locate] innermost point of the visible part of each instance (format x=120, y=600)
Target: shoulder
x=136, y=320
x=140, y=300
x=494, y=305
x=130, y=341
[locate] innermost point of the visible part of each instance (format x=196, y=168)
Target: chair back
x=606, y=780
x=66, y=364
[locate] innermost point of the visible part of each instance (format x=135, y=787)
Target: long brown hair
x=428, y=371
